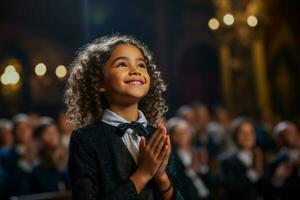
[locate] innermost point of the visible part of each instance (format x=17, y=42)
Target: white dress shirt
x=130, y=138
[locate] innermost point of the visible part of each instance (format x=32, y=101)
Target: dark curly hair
x=85, y=104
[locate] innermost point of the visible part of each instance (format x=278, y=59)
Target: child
x=115, y=153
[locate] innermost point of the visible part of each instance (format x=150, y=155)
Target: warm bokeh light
x=40, y=69
x=10, y=77
x=252, y=21
x=213, y=24
x=61, y=71
x=9, y=68
x=228, y=19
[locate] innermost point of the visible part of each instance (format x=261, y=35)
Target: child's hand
x=162, y=168
x=150, y=158
x=152, y=153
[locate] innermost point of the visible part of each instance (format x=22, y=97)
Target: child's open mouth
x=135, y=82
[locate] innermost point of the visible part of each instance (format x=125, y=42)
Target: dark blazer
x=55, y=180
x=236, y=183
x=188, y=190
x=289, y=189
x=100, y=166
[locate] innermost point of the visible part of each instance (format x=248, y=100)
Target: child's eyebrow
x=125, y=58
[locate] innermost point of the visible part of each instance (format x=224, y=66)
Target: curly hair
x=85, y=104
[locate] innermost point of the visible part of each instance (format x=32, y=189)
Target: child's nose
x=134, y=71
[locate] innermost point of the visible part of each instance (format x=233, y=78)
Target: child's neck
x=130, y=113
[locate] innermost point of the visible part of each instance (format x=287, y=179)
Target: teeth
x=135, y=83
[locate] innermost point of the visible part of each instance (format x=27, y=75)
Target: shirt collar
x=245, y=157
x=114, y=119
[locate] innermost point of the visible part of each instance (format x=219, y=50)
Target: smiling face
x=126, y=79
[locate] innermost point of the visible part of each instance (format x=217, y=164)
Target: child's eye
x=142, y=65
x=122, y=64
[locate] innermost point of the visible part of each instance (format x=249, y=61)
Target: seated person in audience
x=265, y=138
x=6, y=142
x=6, y=136
x=188, y=113
x=50, y=174
x=201, y=138
x=219, y=131
x=65, y=129
x=192, y=167
x=241, y=170
x=20, y=159
x=283, y=174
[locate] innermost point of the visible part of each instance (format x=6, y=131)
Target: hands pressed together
x=153, y=158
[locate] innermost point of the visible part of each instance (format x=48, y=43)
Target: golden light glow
x=9, y=68
x=40, y=69
x=252, y=21
x=213, y=24
x=228, y=19
x=10, y=76
x=61, y=71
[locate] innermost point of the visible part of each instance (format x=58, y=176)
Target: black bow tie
x=135, y=126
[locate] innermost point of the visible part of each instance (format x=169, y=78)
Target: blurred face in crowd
x=181, y=136
x=6, y=137
x=23, y=133
x=190, y=117
x=290, y=137
x=50, y=136
x=33, y=118
x=245, y=137
x=222, y=116
x=202, y=115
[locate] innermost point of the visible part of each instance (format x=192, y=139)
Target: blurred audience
x=52, y=160
x=216, y=157
x=20, y=159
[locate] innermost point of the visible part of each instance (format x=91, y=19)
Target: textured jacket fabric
x=100, y=166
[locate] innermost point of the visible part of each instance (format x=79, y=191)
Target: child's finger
x=155, y=137
x=168, y=144
x=163, y=153
x=158, y=148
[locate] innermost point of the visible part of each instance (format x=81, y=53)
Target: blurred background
x=221, y=59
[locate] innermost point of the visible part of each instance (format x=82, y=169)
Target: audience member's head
x=243, y=133
x=187, y=113
x=202, y=115
x=47, y=133
x=22, y=129
x=180, y=132
x=6, y=135
x=287, y=134
x=221, y=114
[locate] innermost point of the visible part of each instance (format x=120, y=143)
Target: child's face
x=126, y=79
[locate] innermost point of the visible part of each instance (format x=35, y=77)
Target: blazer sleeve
x=84, y=173
x=171, y=171
x=82, y=168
